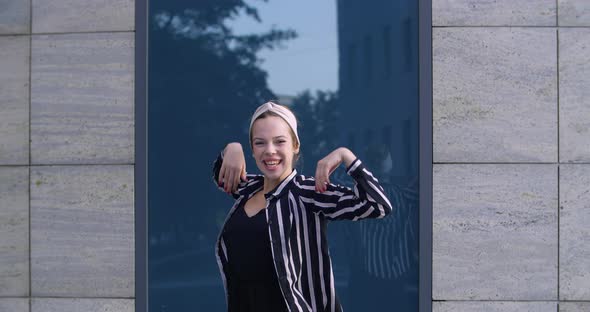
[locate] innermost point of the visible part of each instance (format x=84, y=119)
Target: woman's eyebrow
x=277, y=137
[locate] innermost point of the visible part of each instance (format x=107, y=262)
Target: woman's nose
x=270, y=149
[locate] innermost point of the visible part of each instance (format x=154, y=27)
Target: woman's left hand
x=328, y=164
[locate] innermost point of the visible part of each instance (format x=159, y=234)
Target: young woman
x=272, y=250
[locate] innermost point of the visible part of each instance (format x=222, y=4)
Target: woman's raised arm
x=366, y=200
x=229, y=169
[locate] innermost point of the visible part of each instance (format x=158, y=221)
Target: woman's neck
x=269, y=184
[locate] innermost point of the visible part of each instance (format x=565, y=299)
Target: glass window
x=368, y=56
x=387, y=51
x=347, y=69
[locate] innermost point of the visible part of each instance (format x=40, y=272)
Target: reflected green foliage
x=204, y=70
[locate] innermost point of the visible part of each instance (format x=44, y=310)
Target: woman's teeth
x=272, y=163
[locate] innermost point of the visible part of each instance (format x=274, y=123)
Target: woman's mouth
x=272, y=164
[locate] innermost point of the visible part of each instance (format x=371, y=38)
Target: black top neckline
x=253, y=216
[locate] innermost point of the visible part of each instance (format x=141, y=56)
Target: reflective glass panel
x=349, y=71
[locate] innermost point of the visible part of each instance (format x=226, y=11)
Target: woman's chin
x=271, y=171
x=272, y=174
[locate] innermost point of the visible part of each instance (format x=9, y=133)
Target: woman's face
x=272, y=145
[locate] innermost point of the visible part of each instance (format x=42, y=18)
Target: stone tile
x=463, y=306
x=495, y=232
x=14, y=231
x=82, y=99
x=574, y=249
x=14, y=100
x=83, y=15
x=493, y=13
x=14, y=305
x=15, y=17
x=495, y=94
x=86, y=305
x=574, y=306
x=574, y=94
x=574, y=12
x=82, y=239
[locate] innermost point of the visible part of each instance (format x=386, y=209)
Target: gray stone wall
x=511, y=142
x=511, y=155
x=66, y=155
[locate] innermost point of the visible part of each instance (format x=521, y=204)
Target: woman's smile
x=272, y=164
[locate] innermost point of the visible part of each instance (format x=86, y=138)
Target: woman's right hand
x=233, y=168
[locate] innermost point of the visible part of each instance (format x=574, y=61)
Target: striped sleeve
x=252, y=179
x=366, y=199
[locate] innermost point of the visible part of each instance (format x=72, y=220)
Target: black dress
x=252, y=282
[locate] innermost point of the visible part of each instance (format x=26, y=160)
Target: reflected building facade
x=378, y=97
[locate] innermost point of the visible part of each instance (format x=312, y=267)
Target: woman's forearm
x=347, y=156
x=232, y=146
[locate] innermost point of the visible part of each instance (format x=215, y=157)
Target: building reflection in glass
x=348, y=70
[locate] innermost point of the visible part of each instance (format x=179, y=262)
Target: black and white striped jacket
x=297, y=216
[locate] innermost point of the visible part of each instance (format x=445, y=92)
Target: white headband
x=286, y=114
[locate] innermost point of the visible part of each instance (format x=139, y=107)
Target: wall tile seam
x=510, y=163
x=30, y=281
x=557, y=23
x=500, y=301
x=64, y=165
x=65, y=297
x=82, y=32
x=558, y=160
x=14, y=35
x=504, y=26
x=65, y=33
x=72, y=165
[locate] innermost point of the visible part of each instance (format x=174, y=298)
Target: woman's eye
x=281, y=142
x=258, y=143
